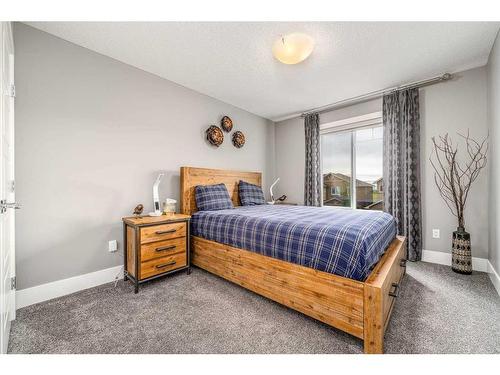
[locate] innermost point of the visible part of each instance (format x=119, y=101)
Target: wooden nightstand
x=155, y=247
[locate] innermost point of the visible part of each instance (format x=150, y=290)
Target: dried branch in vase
x=454, y=177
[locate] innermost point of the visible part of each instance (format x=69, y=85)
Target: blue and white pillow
x=212, y=197
x=250, y=194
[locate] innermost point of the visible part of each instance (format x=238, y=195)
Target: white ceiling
x=232, y=61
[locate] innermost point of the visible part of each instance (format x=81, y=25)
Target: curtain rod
x=377, y=94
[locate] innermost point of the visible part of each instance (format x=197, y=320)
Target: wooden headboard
x=191, y=177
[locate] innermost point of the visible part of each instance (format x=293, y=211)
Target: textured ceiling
x=233, y=61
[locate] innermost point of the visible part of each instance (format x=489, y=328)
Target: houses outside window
x=352, y=162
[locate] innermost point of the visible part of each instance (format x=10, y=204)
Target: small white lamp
x=156, y=196
x=271, y=191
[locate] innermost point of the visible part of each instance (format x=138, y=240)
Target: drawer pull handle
x=158, y=249
x=403, y=263
x=159, y=266
x=395, y=292
x=166, y=231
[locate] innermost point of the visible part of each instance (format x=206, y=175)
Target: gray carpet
x=438, y=312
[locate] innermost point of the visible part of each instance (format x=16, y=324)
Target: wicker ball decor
x=215, y=135
x=238, y=139
x=226, y=124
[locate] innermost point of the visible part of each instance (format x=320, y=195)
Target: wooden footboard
x=381, y=289
x=360, y=309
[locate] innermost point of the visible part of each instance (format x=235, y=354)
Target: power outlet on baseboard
x=436, y=233
x=112, y=246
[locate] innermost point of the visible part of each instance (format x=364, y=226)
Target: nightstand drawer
x=162, y=248
x=163, y=232
x=163, y=264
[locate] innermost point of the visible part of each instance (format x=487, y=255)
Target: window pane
x=369, y=193
x=336, y=154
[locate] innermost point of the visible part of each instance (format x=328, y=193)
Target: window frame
x=349, y=125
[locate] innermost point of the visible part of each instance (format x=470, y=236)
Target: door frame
x=8, y=90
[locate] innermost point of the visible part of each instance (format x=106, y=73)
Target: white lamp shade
x=293, y=48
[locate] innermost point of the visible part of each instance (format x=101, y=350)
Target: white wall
x=447, y=107
x=92, y=134
x=494, y=157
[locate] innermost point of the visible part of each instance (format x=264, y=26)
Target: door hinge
x=12, y=186
x=13, y=283
x=12, y=92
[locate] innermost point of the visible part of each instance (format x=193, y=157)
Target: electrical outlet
x=435, y=233
x=112, y=246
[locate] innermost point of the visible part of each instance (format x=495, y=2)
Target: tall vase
x=461, y=260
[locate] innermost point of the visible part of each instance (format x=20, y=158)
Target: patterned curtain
x=312, y=187
x=402, y=166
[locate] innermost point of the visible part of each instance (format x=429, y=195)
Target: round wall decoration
x=226, y=123
x=238, y=139
x=215, y=135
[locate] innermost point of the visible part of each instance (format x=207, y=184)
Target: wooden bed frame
x=361, y=309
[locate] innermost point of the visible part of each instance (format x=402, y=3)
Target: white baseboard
x=495, y=279
x=44, y=292
x=478, y=264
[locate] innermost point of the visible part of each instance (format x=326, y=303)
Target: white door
x=7, y=196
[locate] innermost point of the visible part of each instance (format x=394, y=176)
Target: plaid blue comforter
x=340, y=241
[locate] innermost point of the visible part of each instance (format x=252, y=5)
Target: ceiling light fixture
x=293, y=48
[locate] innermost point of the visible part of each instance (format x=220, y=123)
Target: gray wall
x=494, y=159
x=453, y=107
x=448, y=107
x=92, y=134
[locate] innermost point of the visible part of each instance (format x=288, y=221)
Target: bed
x=285, y=253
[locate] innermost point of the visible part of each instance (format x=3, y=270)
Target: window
x=352, y=162
x=335, y=190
